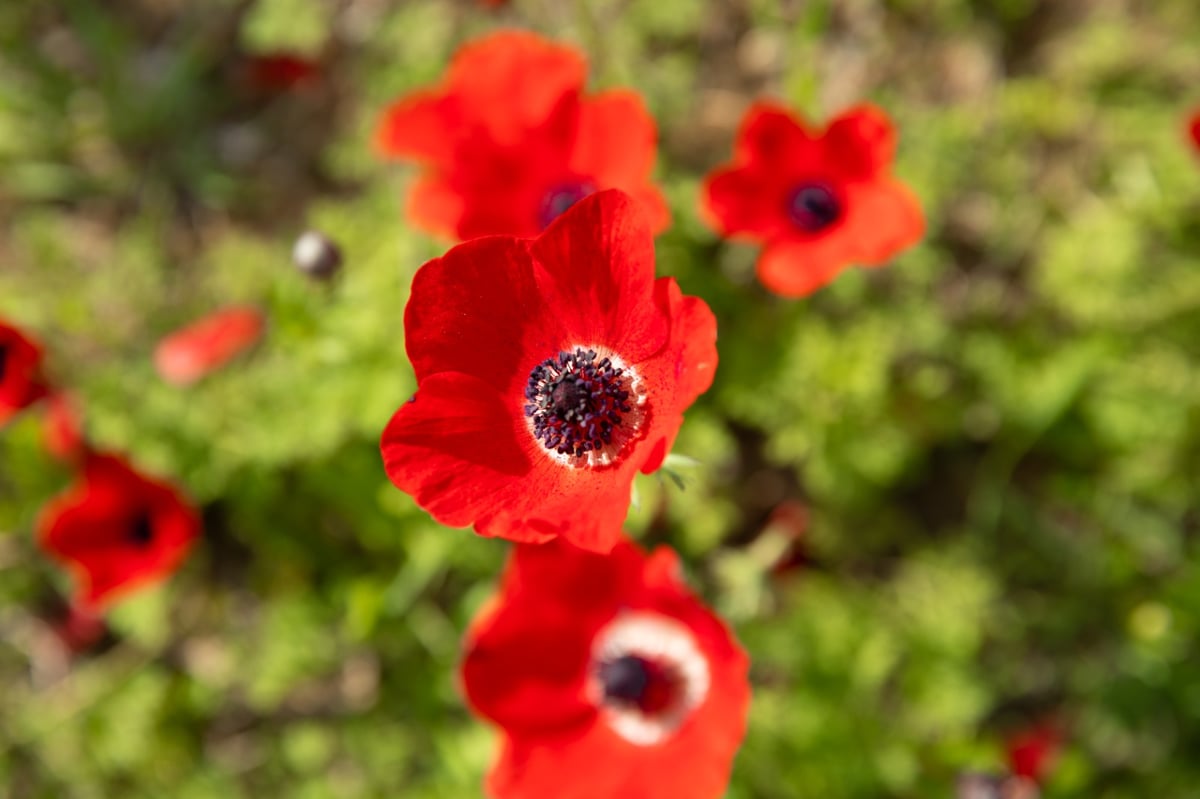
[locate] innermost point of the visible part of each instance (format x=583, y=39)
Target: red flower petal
x=861, y=142
x=615, y=146
x=883, y=218
x=62, y=428
x=770, y=135
x=798, y=268
x=599, y=270
x=21, y=381
x=189, y=354
x=117, y=530
x=1031, y=752
x=1194, y=130
x=558, y=738
x=746, y=202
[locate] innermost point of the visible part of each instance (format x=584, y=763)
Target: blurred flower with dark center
x=204, y=346
x=817, y=201
x=550, y=371
x=509, y=140
x=607, y=677
x=117, y=530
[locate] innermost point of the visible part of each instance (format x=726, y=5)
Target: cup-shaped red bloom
x=509, y=140
x=117, y=530
x=21, y=382
x=607, y=677
x=549, y=371
x=189, y=354
x=818, y=201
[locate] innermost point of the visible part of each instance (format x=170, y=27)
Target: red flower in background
x=281, y=71
x=21, y=382
x=1194, y=130
x=117, y=530
x=1032, y=751
x=608, y=678
x=817, y=202
x=509, y=141
x=549, y=371
x=189, y=354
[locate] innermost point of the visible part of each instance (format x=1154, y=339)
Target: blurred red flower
x=509, y=140
x=21, y=381
x=1032, y=751
x=1194, y=130
x=549, y=371
x=607, y=677
x=117, y=530
x=189, y=354
x=819, y=202
x=280, y=71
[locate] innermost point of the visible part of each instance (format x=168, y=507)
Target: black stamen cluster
x=576, y=402
x=625, y=680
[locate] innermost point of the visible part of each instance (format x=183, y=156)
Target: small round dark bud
x=316, y=255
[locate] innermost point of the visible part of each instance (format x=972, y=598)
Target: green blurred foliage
x=995, y=440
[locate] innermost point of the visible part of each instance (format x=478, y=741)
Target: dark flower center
x=577, y=405
x=562, y=197
x=3, y=361
x=141, y=531
x=812, y=207
x=631, y=681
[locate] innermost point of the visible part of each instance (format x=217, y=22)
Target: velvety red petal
x=682, y=373
x=189, y=354
x=747, y=201
x=616, y=140
x=596, y=268
x=861, y=142
x=654, y=204
x=797, y=268
x=453, y=448
x=479, y=310
x=513, y=81
x=883, y=218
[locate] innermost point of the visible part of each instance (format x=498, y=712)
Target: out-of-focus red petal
x=746, y=201
x=62, y=428
x=1031, y=752
x=21, y=379
x=204, y=346
x=436, y=205
x=1193, y=128
x=793, y=268
x=883, y=217
x=88, y=529
x=597, y=265
x=421, y=126
x=512, y=81
x=861, y=142
x=771, y=135
x=616, y=140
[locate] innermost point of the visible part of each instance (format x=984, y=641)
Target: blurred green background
x=989, y=452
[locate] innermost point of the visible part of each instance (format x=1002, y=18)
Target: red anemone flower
x=509, y=140
x=1032, y=751
x=189, y=354
x=21, y=382
x=608, y=678
x=117, y=530
x=549, y=371
x=819, y=202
